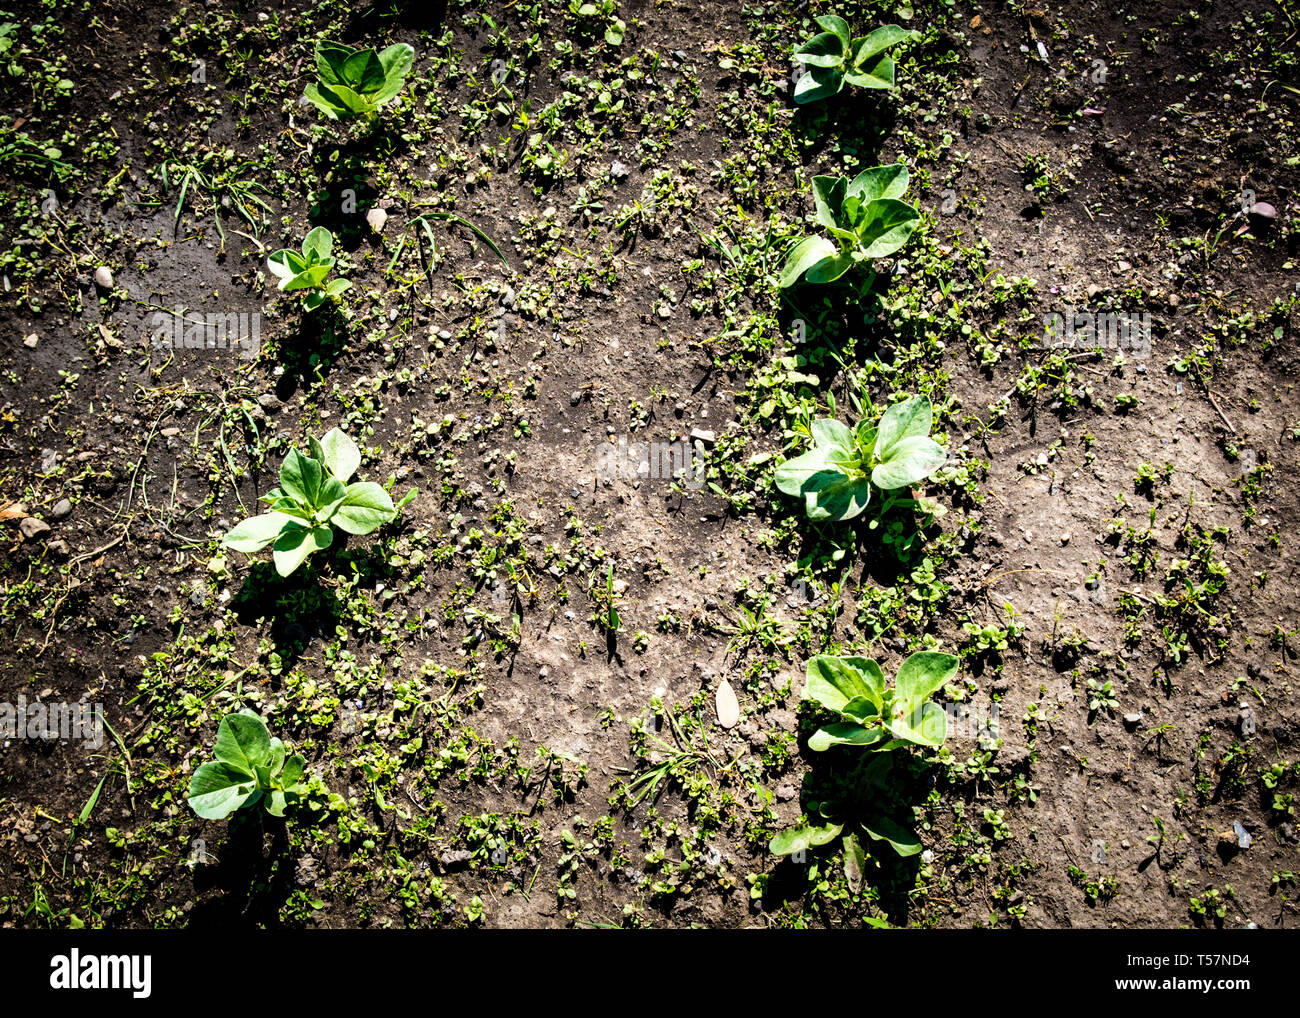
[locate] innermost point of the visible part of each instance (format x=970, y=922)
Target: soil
x=479, y=739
